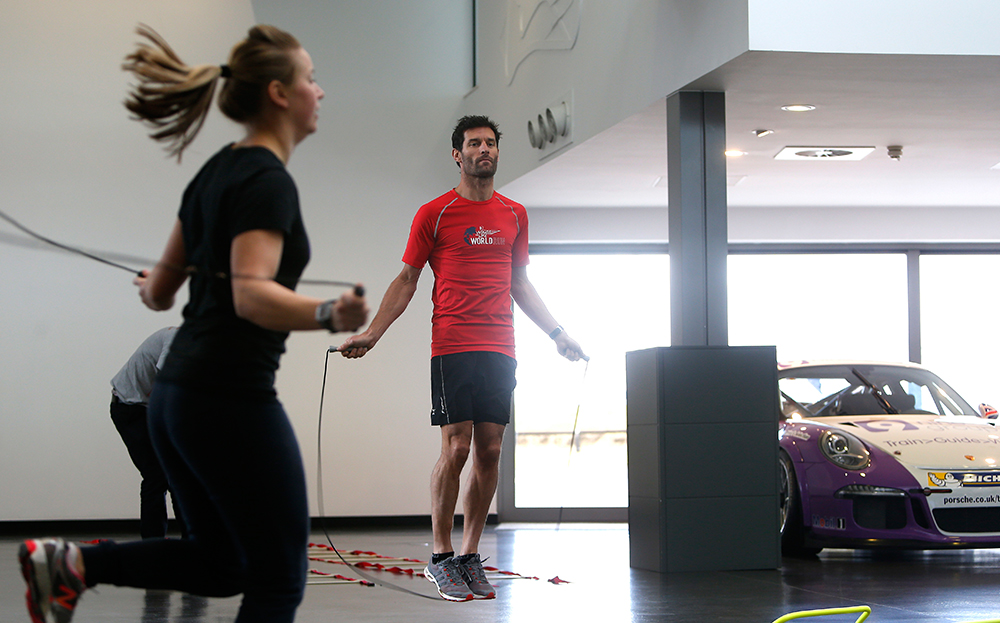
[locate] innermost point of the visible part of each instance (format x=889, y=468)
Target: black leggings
x=235, y=467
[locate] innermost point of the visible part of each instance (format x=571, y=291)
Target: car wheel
x=790, y=512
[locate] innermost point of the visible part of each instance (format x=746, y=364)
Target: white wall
x=394, y=73
x=627, y=55
x=75, y=168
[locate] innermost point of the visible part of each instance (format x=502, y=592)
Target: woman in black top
x=225, y=442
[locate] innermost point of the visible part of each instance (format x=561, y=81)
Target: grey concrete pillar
x=696, y=179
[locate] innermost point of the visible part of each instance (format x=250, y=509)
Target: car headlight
x=844, y=450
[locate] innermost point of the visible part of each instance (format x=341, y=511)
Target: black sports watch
x=324, y=315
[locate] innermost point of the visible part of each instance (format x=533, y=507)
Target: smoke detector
x=823, y=153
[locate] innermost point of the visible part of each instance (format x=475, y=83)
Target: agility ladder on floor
x=371, y=561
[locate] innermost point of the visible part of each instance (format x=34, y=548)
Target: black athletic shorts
x=477, y=386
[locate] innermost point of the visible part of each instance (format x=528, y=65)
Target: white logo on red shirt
x=483, y=236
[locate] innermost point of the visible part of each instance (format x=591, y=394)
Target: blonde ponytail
x=174, y=99
x=170, y=96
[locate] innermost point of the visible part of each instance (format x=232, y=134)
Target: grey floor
x=948, y=586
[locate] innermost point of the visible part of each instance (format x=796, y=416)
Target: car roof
x=819, y=363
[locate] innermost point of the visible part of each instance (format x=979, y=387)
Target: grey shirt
x=134, y=382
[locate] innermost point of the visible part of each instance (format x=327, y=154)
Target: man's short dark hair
x=471, y=122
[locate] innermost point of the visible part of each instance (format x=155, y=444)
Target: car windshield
x=865, y=389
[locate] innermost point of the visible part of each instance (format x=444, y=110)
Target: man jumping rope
x=476, y=242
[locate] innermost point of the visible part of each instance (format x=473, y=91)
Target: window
x=820, y=306
x=611, y=304
x=811, y=306
x=959, y=336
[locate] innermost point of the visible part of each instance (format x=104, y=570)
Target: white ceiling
x=943, y=110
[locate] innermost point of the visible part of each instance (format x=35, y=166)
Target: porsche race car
x=884, y=455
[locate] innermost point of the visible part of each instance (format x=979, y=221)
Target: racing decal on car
x=954, y=440
x=830, y=523
x=964, y=479
x=888, y=425
x=970, y=500
x=946, y=479
x=882, y=426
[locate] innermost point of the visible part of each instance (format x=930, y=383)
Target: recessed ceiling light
x=735, y=153
x=996, y=167
x=762, y=133
x=823, y=153
x=798, y=107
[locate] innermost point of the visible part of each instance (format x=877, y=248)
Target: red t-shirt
x=471, y=246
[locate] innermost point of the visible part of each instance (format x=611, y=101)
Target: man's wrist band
x=556, y=332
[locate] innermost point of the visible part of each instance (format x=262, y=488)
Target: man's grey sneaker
x=448, y=578
x=475, y=576
x=53, y=583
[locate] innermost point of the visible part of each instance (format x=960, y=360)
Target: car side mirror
x=986, y=411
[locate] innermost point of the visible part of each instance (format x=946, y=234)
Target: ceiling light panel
x=823, y=153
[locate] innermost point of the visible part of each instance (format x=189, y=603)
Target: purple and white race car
x=874, y=455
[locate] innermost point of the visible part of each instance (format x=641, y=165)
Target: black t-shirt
x=237, y=190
